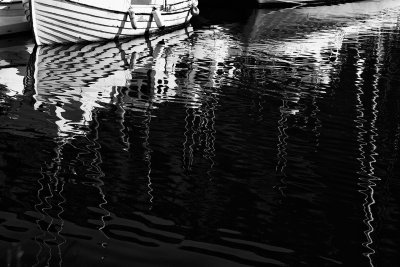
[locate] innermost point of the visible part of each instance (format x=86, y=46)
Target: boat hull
x=62, y=21
x=282, y=3
x=12, y=18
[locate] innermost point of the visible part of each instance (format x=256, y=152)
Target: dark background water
x=263, y=137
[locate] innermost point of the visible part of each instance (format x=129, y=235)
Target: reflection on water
x=272, y=141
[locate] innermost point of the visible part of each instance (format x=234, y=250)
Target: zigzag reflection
x=50, y=206
x=105, y=189
x=75, y=84
x=323, y=47
x=367, y=140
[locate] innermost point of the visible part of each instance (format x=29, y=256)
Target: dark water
x=270, y=138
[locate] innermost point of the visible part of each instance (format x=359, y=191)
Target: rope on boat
x=194, y=10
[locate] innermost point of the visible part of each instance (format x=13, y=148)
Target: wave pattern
x=228, y=145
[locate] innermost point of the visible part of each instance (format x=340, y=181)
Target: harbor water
x=260, y=137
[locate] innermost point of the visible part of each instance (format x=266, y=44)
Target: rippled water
x=269, y=139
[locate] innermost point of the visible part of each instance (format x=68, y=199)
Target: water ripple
x=272, y=140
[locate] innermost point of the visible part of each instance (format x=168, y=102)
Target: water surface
x=269, y=139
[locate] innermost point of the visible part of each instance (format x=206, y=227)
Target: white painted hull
x=12, y=18
x=73, y=21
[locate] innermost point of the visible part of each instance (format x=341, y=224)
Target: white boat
x=73, y=21
x=12, y=17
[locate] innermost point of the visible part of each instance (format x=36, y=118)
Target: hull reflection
x=71, y=81
x=76, y=206
x=14, y=55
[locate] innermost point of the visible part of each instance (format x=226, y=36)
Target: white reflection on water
x=13, y=80
x=14, y=55
x=370, y=170
x=282, y=146
x=320, y=30
x=73, y=82
x=347, y=23
x=367, y=135
x=50, y=207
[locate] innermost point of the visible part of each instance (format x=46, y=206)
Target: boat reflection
x=14, y=54
x=72, y=81
x=306, y=48
x=304, y=43
x=103, y=99
x=71, y=84
x=75, y=88
x=176, y=145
